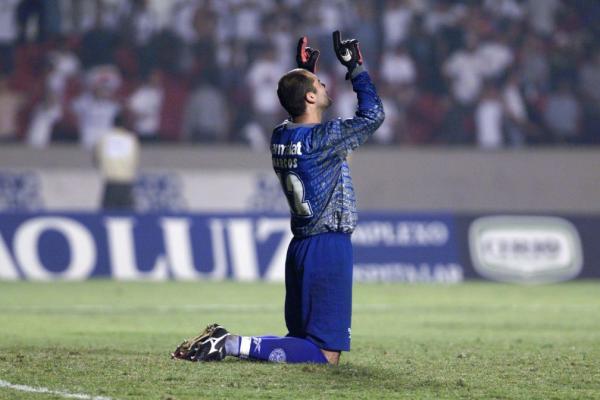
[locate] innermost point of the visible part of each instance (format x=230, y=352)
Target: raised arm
x=346, y=135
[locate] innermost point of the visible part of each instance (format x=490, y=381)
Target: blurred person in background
x=117, y=157
x=77, y=16
x=516, y=120
x=98, y=45
x=206, y=115
x=534, y=66
x=541, y=14
x=589, y=78
x=145, y=106
x=397, y=67
x=422, y=48
x=563, y=113
x=8, y=35
x=509, y=9
x=545, y=40
x=495, y=56
x=32, y=14
x=11, y=104
x=277, y=29
x=96, y=108
x=142, y=24
x=589, y=86
x=442, y=16
x=183, y=13
x=464, y=70
x=263, y=74
x=64, y=64
x=396, y=22
x=489, y=115
x=393, y=130
x=365, y=25
x=45, y=115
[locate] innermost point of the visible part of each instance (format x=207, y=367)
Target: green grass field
x=469, y=341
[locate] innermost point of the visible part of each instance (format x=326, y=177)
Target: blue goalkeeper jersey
x=310, y=162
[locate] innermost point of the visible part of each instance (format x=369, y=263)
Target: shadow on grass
x=345, y=376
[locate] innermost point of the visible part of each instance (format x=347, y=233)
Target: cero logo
x=524, y=249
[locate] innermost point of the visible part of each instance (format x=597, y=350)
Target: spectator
x=397, y=67
x=143, y=24
x=206, y=116
x=488, y=119
x=45, y=115
x=495, y=57
x=393, y=129
x=11, y=102
x=77, y=17
x=145, y=105
x=444, y=14
x=117, y=156
x=534, y=67
x=345, y=103
x=182, y=20
x=589, y=84
x=248, y=18
x=397, y=17
x=542, y=15
x=451, y=47
x=98, y=45
x=64, y=64
x=367, y=29
x=563, y=114
x=95, y=109
x=510, y=9
x=515, y=113
x=8, y=35
x=463, y=68
x=263, y=74
x=589, y=79
x=422, y=48
x=32, y=11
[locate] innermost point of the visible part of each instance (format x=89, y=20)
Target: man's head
x=300, y=91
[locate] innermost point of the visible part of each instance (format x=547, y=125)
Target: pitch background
x=474, y=340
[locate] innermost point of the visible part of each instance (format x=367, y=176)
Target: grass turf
x=474, y=340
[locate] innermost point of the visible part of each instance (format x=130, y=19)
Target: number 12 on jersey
x=294, y=192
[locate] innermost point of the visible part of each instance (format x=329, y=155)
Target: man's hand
x=348, y=52
x=307, y=57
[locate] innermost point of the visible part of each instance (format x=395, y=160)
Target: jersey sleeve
x=343, y=136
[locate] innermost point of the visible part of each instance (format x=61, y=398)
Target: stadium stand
x=485, y=73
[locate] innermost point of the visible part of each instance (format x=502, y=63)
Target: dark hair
x=291, y=90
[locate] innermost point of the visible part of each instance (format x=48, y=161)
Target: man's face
x=323, y=99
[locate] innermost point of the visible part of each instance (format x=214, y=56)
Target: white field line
x=66, y=395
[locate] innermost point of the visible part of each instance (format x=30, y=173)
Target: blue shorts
x=318, y=283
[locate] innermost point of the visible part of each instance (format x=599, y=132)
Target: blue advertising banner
x=74, y=246
x=388, y=247
x=406, y=248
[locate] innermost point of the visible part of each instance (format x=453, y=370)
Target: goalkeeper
x=309, y=158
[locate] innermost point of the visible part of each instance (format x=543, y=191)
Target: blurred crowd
x=486, y=73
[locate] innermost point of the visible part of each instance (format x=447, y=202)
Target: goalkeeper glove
x=307, y=57
x=348, y=53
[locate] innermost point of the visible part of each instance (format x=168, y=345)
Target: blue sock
x=274, y=349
